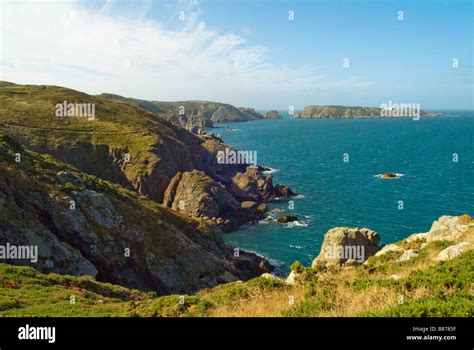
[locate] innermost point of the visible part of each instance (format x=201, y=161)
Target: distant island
x=273, y=114
x=348, y=112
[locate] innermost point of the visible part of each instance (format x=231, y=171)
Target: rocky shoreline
x=150, y=199
x=346, y=247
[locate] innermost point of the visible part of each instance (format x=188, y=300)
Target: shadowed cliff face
x=83, y=225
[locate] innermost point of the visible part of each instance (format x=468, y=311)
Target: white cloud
x=100, y=50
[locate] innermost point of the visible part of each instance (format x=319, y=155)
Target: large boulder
x=451, y=228
x=345, y=246
x=454, y=251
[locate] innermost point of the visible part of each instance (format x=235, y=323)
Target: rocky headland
x=137, y=181
x=192, y=115
x=424, y=275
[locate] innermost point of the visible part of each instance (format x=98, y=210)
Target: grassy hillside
x=168, y=252
x=156, y=149
x=213, y=111
x=423, y=287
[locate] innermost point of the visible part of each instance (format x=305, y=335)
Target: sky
x=260, y=53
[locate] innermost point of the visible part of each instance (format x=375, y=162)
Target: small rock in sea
x=388, y=176
x=285, y=218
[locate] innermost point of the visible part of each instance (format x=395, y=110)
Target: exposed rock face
x=214, y=111
x=447, y=228
x=192, y=121
x=344, y=246
x=206, y=110
x=246, y=186
x=389, y=248
x=457, y=229
x=454, y=251
x=196, y=194
x=253, y=185
x=251, y=113
x=82, y=225
x=273, y=114
x=407, y=255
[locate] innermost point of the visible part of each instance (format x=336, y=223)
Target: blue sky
x=248, y=53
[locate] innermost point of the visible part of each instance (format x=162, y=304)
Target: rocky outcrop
x=459, y=230
x=253, y=185
x=454, y=251
x=196, y=194
x=286, y=218
x=141, y=150
x=345, y=246
x=82, y=225
x=251, y=113
x=273, y=114
x=451, y=228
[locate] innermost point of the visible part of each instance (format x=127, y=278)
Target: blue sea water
x=309, y=154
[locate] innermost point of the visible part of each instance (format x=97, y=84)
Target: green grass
x=26, y=292
x=448, y=288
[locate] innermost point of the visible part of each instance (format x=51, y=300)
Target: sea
x=332, y=164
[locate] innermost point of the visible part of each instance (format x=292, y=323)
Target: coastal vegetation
x=129, y=209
